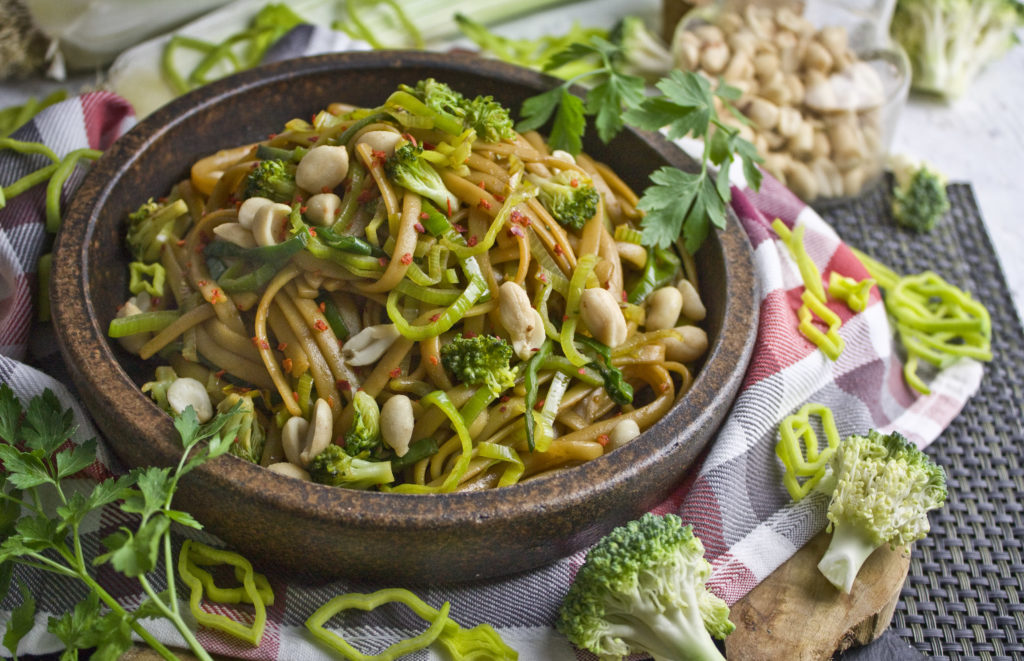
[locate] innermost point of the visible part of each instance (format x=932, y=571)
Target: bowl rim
x=109, y=383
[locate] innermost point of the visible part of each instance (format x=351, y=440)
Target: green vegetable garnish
x=49, y=538
x=919, y=199
x=482, y=360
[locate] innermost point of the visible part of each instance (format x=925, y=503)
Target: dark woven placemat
x=963, y=596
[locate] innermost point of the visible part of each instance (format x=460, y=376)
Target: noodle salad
x=413, y=298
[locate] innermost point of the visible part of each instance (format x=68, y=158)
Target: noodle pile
x=368, y=285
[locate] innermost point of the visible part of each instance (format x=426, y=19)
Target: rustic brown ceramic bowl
x=301, y=527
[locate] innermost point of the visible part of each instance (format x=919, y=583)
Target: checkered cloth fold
x=734, y=499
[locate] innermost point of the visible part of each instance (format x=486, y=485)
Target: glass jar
x=821, y=85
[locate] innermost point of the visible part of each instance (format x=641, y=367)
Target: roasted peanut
x=691, y=344
x=523, y=323
x=247, y=212
x=269, y=225
x=318, y=435
x=236, y=234
x=289, y=469
x=663, y=308
x=381, y=141
x=693, y=308
x=322, y=168
x=186, y=392
x=602, y=316
x=369, y=344
x=396, y=423
x=322, y=209
x=622, y=433
x=293, y=438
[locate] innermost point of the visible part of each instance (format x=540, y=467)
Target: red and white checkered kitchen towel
x=735, y=500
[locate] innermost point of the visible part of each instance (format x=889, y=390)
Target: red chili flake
x=320, y=325
x=281, y=346
x=436, y=317
x=201, y=283
x=471, y=241
x=260, y=344
x=395, y=373
x=459, y=228
x=582, y=371
x=558, y=249
x=429, y=145
x=410, y=137
x=424, y=215
x=378, y=155
x=448, y=201
x=407, y=258
x=469, y=335
x=543, y=277
x=366, y=195
x=200, y=248
x=323, y=306
x=220, y=374
x=499, y=197
x=312, y=232
x=517, y=217
x=287, y=364
x=608, y=284
x=481, y=184
x=664, y=386
x=539, y=405
x=574, y=183
x=434, y=360
x=344, y=385
x=271, y=136
x=314, y=138
x=303, y=209
x=624, y=296
x=295, y=396
x=156, y=301
x=516, y=231
x=383, y=261
x=216, y=296
x=534, y=348
x=504, y=398
x=483, y=204
x=180, y=242
x=502, y=408
x=419, y=228
x=565, y=317
x=603, y=440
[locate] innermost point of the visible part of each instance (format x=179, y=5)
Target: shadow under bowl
x=304, y=528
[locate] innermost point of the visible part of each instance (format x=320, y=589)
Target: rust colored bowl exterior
x=300, y=527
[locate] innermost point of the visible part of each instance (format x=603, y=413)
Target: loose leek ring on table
x=412, y=297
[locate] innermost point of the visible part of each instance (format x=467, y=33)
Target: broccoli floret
x=642, y=589
x=273, y=179
x=488, y=118
x=919, y=198
x=363, y=437
x=250, y=437
x=408, y=170
x=950, y=41
x=480, y=360
x=643, y=53
x=153, y=224
x=568, y=196
x=337, y=468
x=884, y=488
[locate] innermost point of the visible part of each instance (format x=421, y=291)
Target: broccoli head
x=884, y=488
x=251, y=437
x=919, y=198
x=363, y=437
x=480, y=360
x=570, y=198
x=641, y=589
x=488, y=118
x=337, y=468
x=273, y=179
x=408, y=170
x=153, y=224
x=950, y=41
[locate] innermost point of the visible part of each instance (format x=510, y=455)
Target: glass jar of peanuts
x=821, y=85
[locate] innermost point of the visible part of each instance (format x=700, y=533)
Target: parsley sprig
x=677, y=203
x=42, y=510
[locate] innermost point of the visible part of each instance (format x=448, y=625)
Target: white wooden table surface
x=979, y=139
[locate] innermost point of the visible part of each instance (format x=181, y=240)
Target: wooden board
x=797, y=615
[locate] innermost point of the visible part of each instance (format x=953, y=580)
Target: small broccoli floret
x=153, y=224
x=408, y=170
x=273, y=179
x=250, y=437
x=337, y=468
x=363, y=437
x=643, y=53
x=480, y=360
x=884, y=488
x=488, y=118
x=919, y=199
x=642, y=589
x=570, y=198
x=950, y=41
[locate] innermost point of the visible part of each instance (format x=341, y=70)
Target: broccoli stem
x=846, y=553
x=674, y=634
